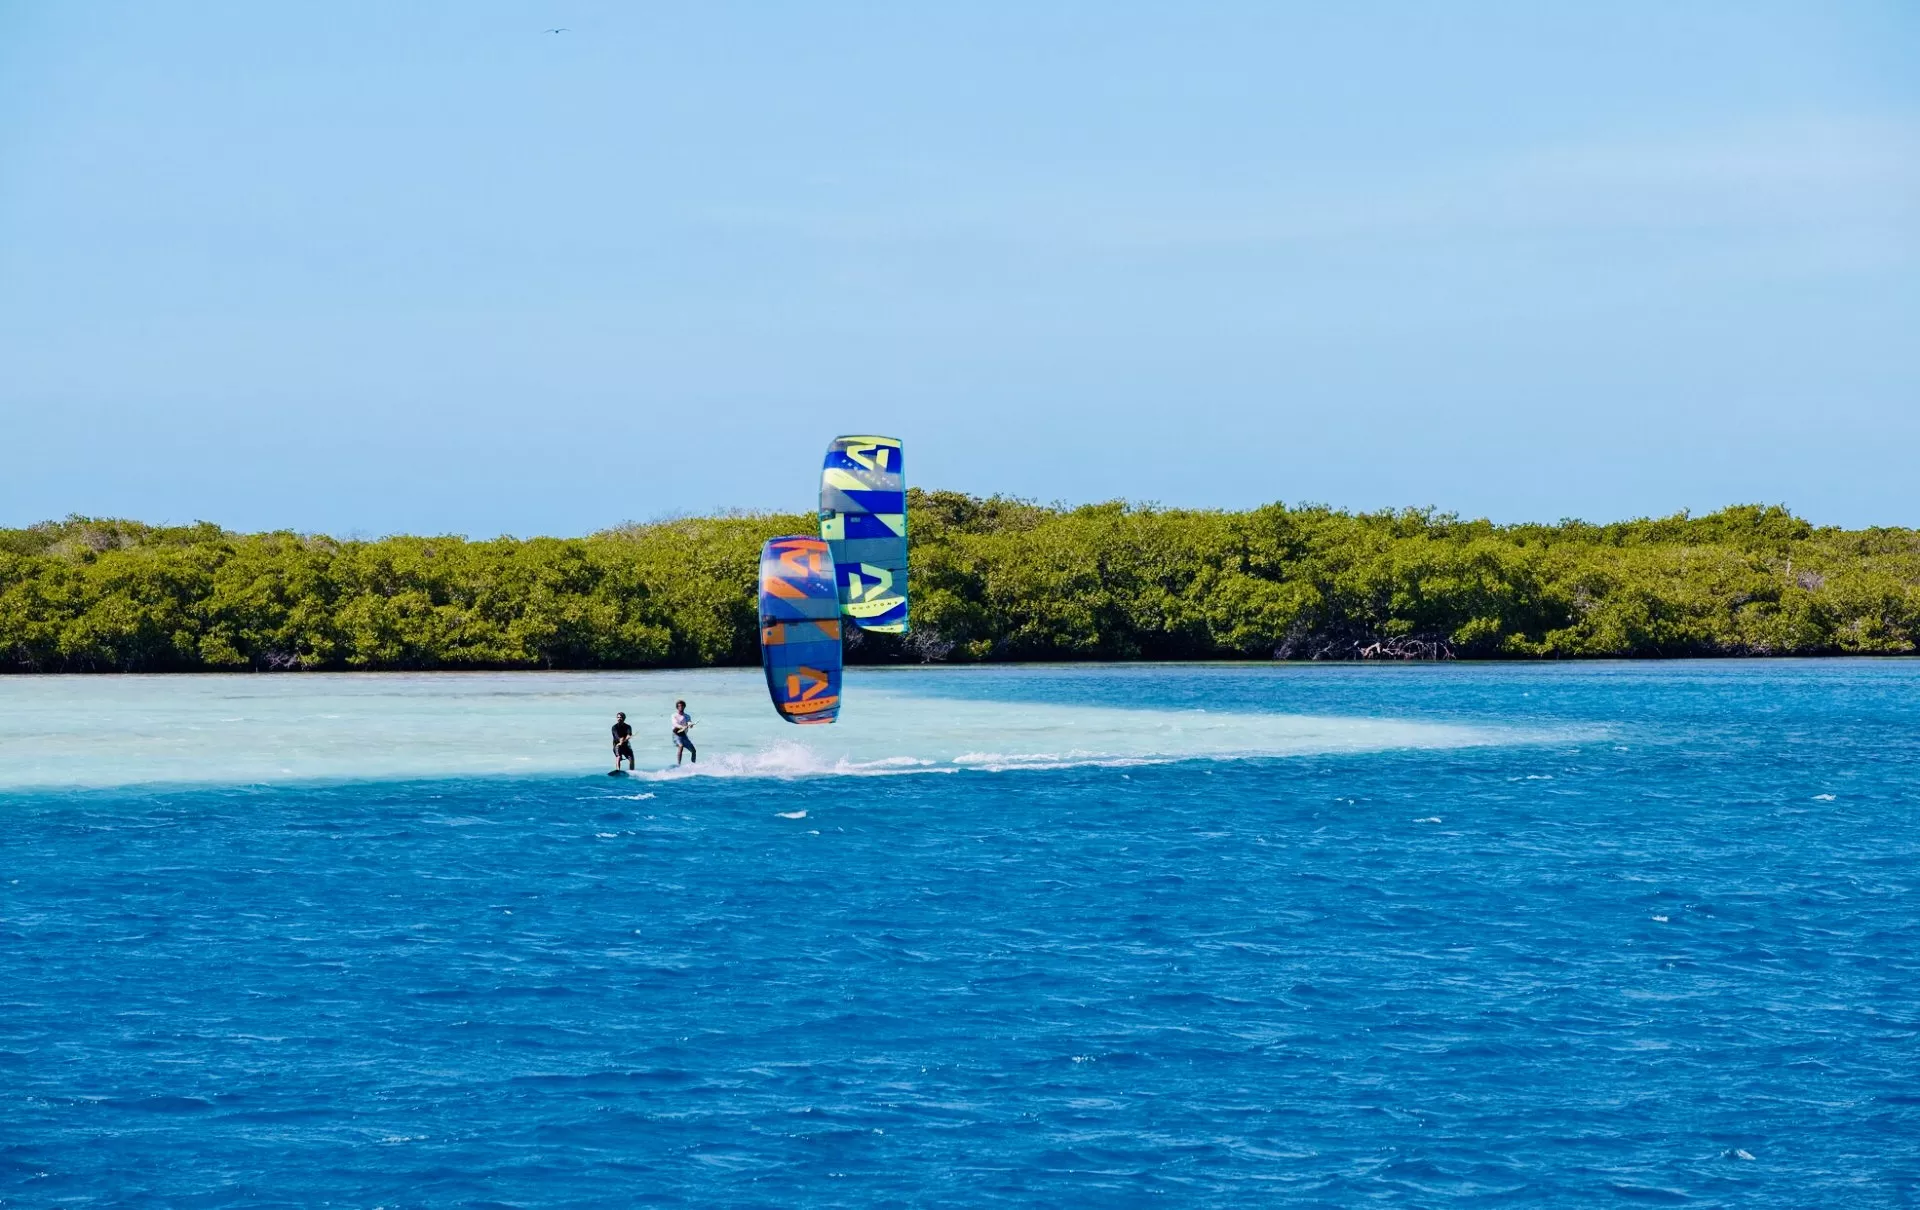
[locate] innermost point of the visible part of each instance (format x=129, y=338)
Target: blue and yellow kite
x=863, y=517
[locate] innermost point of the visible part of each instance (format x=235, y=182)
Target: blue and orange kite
x=800, y=629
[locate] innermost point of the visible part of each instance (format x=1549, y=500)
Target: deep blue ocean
x=1657, y=940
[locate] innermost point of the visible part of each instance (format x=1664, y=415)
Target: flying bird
x=562, y=30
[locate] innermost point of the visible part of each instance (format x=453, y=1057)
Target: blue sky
x=368, y=268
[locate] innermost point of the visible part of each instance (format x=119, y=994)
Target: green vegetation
x=993, y=579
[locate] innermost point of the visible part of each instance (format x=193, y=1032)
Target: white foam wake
x=789, y=760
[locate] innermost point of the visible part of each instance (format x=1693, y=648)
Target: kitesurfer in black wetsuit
x=622, y=741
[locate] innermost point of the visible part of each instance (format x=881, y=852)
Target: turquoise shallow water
x=1101, y=935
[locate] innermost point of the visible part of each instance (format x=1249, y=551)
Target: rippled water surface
x=1458, y=935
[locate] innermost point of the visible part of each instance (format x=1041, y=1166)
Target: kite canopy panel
x=800, y=629
x=863, y=517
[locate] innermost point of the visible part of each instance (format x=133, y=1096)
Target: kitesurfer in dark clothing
x=622, y=741
x=682, y=742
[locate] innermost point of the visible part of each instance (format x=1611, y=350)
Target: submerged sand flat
x=103, y=731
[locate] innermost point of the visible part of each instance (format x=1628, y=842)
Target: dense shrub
x=992, y=579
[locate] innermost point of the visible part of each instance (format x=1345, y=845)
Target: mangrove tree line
x=992, y=579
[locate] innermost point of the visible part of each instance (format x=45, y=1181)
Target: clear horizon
x=366, y=270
